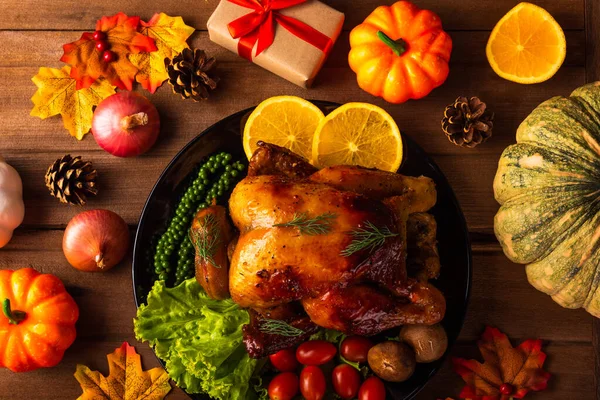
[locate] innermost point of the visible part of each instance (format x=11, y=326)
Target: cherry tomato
x=315, y=352
x=355, y=348
x=346, y=381
x=372, y=389
x=284, y=386
x=312, y=383
x=284, y=360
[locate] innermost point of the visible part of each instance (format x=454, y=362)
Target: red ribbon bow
x=259, y=26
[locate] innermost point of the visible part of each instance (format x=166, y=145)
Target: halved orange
x=527, y=45
x=286, y=121
x=358, y=134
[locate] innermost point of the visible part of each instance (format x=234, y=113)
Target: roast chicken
x=344, y=248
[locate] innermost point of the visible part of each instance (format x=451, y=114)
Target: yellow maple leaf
x=170, y=35
x=57, y=94
x=126, y=379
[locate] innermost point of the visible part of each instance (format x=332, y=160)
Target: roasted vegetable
x=392, y=361
x=429, y=342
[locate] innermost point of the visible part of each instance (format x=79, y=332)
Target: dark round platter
x=453, y=237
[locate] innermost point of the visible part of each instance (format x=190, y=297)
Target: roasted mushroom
x=428, y=341
x=392, y=361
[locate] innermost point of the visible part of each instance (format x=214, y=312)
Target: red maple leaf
x=123, y=38
x=507, y=372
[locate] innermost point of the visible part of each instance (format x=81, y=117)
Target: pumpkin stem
x=14, y=316
x=399, y=46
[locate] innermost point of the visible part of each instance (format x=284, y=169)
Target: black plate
x=454, y=246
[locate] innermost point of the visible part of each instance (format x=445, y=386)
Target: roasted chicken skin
x=279, y=263
x=210, y=233
x=274, y=264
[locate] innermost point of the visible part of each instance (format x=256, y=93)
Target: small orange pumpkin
x=37, y=322
x=400, y=52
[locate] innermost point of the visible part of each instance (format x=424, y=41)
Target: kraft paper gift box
x=291, y=38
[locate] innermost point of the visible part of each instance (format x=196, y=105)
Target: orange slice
x=527, y=45
x=358, y=134
x=286, y=121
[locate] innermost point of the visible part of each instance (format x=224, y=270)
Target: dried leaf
x=520, y=368
x=57, y=94
x=170, y=35
x=126, y=379
x=123, y=38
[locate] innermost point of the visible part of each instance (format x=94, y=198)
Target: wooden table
x=31, y=35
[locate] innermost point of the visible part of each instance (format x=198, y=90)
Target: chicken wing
x=270, y=159
x=419, y=192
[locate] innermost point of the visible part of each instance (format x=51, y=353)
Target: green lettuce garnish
x=328, y=335
x=200, y=340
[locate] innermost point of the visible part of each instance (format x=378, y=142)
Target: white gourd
x=12, y=209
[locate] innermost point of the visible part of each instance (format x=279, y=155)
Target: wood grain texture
x=82, y=14
x=107, y=311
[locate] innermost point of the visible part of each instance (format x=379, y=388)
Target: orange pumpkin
x=37, y=323
x=400, y=52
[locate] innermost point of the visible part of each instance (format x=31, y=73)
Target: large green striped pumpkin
x=548, y=185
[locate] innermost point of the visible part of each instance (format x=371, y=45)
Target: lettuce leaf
x=329, y=335
x=200, y=340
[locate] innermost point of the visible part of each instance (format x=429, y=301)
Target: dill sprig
x=319, y=225
x=206, y=239
x=278, y=327
x=370, y=237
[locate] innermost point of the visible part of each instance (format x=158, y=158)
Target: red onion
x=95, y=240
x=126, y=124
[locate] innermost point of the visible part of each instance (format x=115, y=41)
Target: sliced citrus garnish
x=286, y=121
x=358, y=134
x=527, y=45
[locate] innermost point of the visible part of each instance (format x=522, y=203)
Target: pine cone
x=188, y=74
x=468, y=123
x=71, y=179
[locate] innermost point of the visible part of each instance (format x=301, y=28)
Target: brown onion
x=95, y=240
x=126, y=124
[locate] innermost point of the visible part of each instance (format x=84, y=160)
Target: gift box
x=291, y=38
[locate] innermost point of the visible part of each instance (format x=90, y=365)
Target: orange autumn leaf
x=507, y=372
x=123, y=38
x=170, y=35
x=126, y=379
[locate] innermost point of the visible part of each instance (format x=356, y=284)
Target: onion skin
x=96, y=240
x=126, y=124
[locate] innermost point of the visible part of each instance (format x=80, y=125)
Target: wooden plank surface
x=32, y=32
x=501, y=297
x=82, y=15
